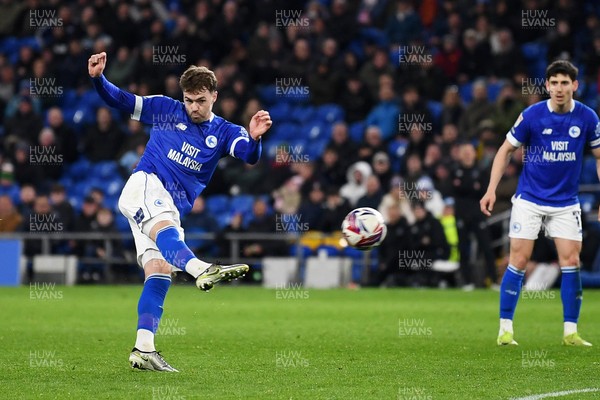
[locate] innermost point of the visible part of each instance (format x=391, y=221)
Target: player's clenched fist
x=487, y=203
x=259, y=124
x=96, y=64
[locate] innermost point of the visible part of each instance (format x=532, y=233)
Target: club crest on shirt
x=211, y=141
x=574, y=131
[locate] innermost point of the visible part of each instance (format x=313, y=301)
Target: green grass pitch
x=252, y=343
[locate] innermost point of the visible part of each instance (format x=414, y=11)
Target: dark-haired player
x=553, y=134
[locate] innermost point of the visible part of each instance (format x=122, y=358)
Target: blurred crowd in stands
x=398, y=105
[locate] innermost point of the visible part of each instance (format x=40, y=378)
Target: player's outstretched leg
x=177, y=253
x=510, y=289
x=150, y=309
x=571, y=296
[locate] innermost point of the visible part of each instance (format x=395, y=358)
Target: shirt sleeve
x=241, y=145
x=113, y=96
x=146, y=109
x=593, y=131
x=519, y=133
x=154, y=109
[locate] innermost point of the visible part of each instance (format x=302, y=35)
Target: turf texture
x=241, y=342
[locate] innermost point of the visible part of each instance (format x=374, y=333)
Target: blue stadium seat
x=397, y=150
x=112, y=203
x=330, y=113
x=435, y=108
x=587, y=201
x=79, y=169
x=316, y=130
x=534, y=51
x=30, y=41
x=113, y=186
x=105, y=169
x=331, y=251
x=223, y=219
x=76, y=201
x=68, y=98
x=466, y=92
x=316, y=148
x=494, y=90
x=268, y=95
x=270, y=146
x=286, y=131
x=217, y=203
x=374, y=36
x=91, y=99
x=356, y=131
x=303, y=113
x=194, y=243
x=280, y=112
x=305, y=251
x=242, y=203
x=588, y=171
x=122, y=223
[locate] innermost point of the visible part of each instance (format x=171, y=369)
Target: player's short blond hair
x=196, y=79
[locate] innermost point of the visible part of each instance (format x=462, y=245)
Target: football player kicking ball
x=186, y=142
x=553, y=133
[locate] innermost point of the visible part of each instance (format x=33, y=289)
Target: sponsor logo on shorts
x=139, y=216
x=159, y=203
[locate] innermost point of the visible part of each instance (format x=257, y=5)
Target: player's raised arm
x=112, y=95
x=501, y=160
x=259, y=124
x=250, y=149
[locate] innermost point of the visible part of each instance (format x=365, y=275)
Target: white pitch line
x=557, y=394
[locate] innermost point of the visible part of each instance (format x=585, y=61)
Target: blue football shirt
x=553, y=146
x=183, y=154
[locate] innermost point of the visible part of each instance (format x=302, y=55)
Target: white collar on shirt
x=551, y=110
